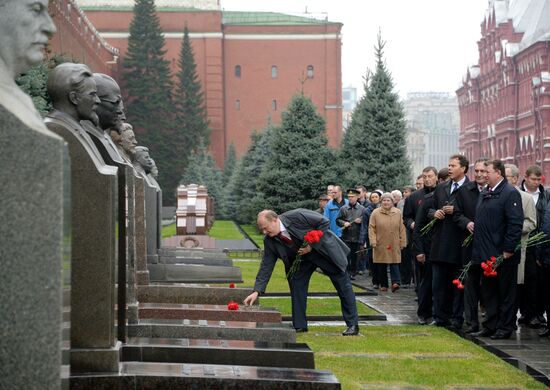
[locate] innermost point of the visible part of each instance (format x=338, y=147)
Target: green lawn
x=225, y=230
x=254, y=234
x=409, y=355
x=315, y=306
x=278, y=283
x=169, y=230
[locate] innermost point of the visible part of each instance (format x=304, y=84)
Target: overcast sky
x=430, y=43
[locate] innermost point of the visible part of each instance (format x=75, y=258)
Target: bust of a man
x=143, y=159
x=125, y=141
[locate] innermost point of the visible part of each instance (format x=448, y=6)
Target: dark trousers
x=406, y=267
x=527, y=295
x=448, y=300
x=299, y=286
x=499, y=296
x=352, y=257
x=382, y=273
x=545, y=274
x=425, y=302
x=472, y=293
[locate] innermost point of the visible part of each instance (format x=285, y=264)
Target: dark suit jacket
x=464, y=213
x=499, y=222
x=421, y=243
x=446, y=238
x=298, y=222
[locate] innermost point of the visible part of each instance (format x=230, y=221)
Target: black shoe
x=545, y=332
x=301, y=330
x=534, y=323
x=483, y=333
x=455, y=325
x=351, y=331
x=501, y=335
x=440, y=323
x=422, y=321
x=472, y=329
x=542, y=320
x=522, y=320
x=352, y=277
x=375, y=286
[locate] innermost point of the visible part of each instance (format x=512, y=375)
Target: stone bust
x=110, y=110
x=143, y=159
x=125, y=141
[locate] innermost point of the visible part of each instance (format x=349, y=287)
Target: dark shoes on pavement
x=351, y=331
x=483, y=333
x=301, y=330
x=472, y=329
x=501, y=335
x=545, y=332
x=422, y=321
x=394, y=287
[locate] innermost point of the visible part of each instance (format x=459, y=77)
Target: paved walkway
x=524, y=350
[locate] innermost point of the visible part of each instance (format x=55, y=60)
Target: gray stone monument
x=126, y=143
x=153, y=176
x=144, y=167
x=31, y=232
x=93, y=219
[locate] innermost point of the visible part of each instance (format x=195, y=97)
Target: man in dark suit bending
x=284, y=235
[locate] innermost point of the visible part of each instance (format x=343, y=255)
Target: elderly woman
x=387, y=237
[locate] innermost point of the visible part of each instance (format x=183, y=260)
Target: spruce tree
x=241, y=201
x=202, y=170
x=229, y=164
x=148, y=83
x=374, y=152
x=295, y=174
x=191, y=123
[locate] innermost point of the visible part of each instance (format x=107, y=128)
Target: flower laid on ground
x=428, y=227
x=232, y=305
x=468, y=240
x=489, y=267
x=311, y=237
x=388, y=247
x=231, y=285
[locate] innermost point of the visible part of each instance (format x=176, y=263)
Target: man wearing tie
x=446, y=250
x=284, y=235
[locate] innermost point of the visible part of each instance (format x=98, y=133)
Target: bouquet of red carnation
x=311, y=237
x=231, y=285
x=458, y=281
x=232, y=305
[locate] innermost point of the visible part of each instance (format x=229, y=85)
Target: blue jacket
x=331, y=213
x=498, y=224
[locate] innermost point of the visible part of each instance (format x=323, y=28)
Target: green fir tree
x=374, y=149
x=149, y=86
x=229, y=164
x=241, y=200
x=295, y=174
x=202, y=170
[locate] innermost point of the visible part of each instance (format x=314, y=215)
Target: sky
x=429, y=43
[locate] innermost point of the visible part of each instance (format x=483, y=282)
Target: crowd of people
x=467, y=246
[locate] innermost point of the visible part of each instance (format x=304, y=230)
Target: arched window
x=310, y=71
x=237, y=71
x=274, y=105
x=274, y=72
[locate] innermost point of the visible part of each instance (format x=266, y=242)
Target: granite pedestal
x=191, y=294
x=229, y=352
x=223, y=262
x=194, y=273
x=149, y=376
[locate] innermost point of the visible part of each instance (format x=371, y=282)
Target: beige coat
x=529, y=224
x=387, y=235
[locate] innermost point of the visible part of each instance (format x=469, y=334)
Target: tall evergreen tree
x=241, y=202
x=191, y=122
x=295, y=174
x=375, y=147
x=202, y=170
x=148, y=82
x=229, y=164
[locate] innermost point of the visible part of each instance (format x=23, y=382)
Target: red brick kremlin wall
x=236, y=106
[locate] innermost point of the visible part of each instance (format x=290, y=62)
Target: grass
x=315, y=306
x=278, y=283
x=409, y=355
x=254, y=234
x=225, y=230
x=169, y=230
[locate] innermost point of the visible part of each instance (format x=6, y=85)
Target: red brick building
x=250, y=63
x=504, y=100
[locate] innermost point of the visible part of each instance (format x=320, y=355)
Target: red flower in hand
x=231, y=285
x=388, y=247
x=460, y=286
x=456, y=282
x=232, y=305
x=313, y=236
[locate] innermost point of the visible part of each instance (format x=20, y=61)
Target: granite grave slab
x=194, y=273
x=190, y=293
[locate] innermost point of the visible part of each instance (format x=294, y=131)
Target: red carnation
x=493, y=259
x=460, y=286
x=456, y=282
x=231, y=285
x=388, y=247
x=232, y=305
x=313, y=236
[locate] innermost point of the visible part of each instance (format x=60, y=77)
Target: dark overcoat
x=298, y=222
x=499, y=222
x=446, y=237
x=464, y=213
